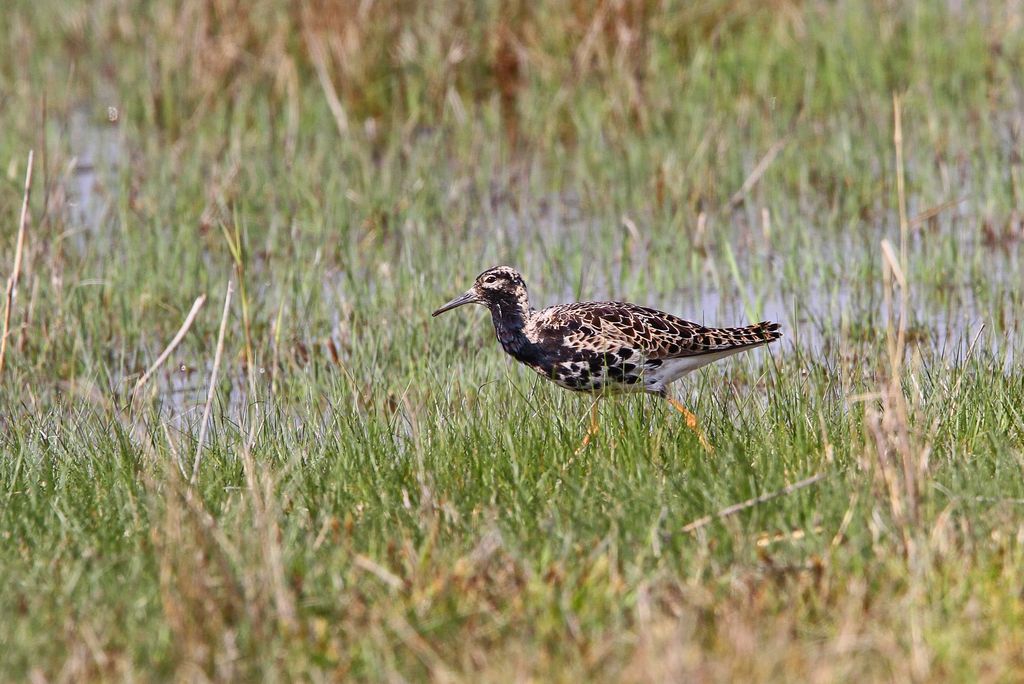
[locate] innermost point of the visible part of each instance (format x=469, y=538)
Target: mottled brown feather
x=603, y=346
x=608, y=326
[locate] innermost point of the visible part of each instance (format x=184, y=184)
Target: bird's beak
x=468, y=298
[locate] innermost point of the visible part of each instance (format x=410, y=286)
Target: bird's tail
x=764, y=332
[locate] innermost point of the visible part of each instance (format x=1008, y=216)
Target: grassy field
x=385, y=496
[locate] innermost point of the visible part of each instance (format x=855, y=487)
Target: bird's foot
x=692, y=424
x=591, y=431
x=586, y=441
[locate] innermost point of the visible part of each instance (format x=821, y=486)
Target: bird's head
x=500, y=289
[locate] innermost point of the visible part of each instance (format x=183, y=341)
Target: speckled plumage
x=608, y=347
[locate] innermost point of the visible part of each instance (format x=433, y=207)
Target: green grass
x=383, y=495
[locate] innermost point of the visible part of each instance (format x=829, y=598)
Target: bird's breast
x=580, y=369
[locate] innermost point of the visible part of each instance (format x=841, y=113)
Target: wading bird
x=604, y=347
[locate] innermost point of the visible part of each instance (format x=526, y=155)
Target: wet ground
x=826, y=311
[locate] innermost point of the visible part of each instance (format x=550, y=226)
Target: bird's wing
x=609, y=326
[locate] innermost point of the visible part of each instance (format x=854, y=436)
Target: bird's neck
x=510, y=317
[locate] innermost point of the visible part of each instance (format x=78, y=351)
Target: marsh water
x=830, y=308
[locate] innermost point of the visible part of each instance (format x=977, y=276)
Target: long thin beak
x=467, y=298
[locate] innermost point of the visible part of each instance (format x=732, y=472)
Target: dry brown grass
x=404, y=63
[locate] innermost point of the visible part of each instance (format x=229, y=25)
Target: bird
x=605, y=347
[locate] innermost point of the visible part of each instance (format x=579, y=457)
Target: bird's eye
x=490, y=279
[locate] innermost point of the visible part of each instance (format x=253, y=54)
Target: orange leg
x=691, y=422
x=592, y=430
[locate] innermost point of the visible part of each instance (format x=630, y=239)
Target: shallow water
x=98, y=151
x=832, y=301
